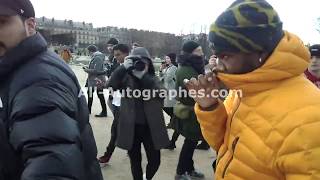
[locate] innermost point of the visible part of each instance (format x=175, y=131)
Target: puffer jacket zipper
x=226, y=150
x=234, y=145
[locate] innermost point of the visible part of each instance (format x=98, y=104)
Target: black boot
x=203, y=146
x=102, y=114
x=103, y=104
x=171, y=146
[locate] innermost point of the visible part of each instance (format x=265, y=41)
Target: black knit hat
x=315, y=50
x=190, y=46
x=113, y=41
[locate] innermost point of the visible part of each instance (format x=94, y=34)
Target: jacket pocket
x=234, y=145
x=219, y=158
x=182, y=111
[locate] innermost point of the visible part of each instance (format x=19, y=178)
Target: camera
x=139, y=63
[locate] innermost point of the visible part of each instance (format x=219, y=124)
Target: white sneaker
x=144, y=176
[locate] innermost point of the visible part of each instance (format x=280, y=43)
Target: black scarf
x=196, y=62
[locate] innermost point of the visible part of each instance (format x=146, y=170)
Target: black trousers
x=143, y=135
x=114, y=132
x=110, y=105
x=186, y=163
x=175, y=136
x=169, y=111
x=100, y=95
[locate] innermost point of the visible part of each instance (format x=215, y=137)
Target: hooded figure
x=141, y=119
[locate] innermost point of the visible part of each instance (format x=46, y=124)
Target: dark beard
x=23, y=35
x=2, y=45
x=3, y=48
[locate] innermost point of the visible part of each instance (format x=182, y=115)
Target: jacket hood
x=289, y=59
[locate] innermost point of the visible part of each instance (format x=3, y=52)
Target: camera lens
x=139, y=65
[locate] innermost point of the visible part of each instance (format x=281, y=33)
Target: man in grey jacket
x=96, y=79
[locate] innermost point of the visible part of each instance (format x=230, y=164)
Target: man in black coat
x=44, y=123
x=112, y=62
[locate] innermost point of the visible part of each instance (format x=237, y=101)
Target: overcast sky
x=174, y=16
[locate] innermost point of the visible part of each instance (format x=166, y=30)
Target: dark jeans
x=100, y=94
x=110, y=105
x=143, y=135
x=186, y=163
x=169, y=111
x=114, y=132
x=175, y=136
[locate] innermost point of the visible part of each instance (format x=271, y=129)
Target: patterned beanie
x=247, y=26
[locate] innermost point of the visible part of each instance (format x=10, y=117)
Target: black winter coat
x=44, y=123
x=152, y=108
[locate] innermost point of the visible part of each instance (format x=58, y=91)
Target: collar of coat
x=290, y=59
x=311, y=77
x=24, y=52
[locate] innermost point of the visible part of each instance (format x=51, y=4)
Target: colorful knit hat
x=247, y=26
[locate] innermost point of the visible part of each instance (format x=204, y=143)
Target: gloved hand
x=128, y=63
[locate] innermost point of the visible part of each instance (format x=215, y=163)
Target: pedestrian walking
x=141, y=119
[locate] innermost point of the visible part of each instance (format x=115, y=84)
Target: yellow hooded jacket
x=272, y=132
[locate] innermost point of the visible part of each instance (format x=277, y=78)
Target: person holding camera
x=141, y=119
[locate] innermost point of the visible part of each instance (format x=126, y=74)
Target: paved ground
x=119, y=167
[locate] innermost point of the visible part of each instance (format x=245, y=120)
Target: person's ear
x=30, y=25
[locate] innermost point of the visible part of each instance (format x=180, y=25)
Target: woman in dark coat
x=141, y=119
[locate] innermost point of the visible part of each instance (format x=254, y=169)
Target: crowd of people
x=268, y=131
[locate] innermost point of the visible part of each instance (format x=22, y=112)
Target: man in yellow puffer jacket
x=269, y=131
